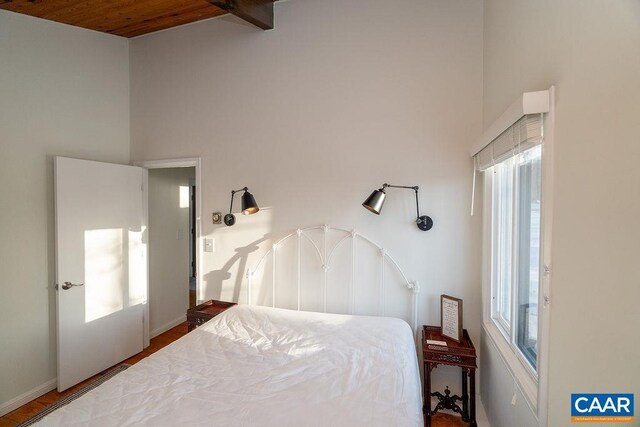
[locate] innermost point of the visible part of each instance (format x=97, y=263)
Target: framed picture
x=451, y=317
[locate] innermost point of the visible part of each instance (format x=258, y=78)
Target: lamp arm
x=414, y=188
x=233, y=193
x=424, y=222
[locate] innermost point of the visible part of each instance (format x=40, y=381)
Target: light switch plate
x=209, y=245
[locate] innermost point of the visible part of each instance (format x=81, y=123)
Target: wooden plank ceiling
x=126, y=18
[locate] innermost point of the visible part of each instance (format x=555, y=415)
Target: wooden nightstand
x=461, y=354
x=206, y=311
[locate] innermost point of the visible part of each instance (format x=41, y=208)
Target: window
x=503, y=196
x=515, y=250
x=512, y=163
x=516, y=166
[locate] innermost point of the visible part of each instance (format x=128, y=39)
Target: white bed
x=259, y=366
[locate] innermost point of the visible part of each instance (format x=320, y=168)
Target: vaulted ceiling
x=130, y=18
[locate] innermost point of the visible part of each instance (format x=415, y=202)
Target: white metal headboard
x=325, y=257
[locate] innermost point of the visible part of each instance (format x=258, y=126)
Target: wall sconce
x=249, y=206
x=375, y=201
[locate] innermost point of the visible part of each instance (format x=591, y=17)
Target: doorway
x=174, y=228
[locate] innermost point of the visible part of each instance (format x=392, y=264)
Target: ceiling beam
x=256, y=12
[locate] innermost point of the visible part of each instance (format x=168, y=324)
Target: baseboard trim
x=167, y=326
x=27, y=397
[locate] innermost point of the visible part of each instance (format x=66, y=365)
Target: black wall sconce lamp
x=249, y=206
x=375, y=201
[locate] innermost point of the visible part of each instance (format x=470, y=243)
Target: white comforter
x=258, y=366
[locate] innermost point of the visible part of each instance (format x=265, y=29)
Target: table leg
x=472, y=373
x=427, y=395
x=465, y=395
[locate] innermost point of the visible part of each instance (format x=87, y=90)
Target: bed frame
x=325, y=255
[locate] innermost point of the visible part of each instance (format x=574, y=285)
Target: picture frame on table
x=451, y=317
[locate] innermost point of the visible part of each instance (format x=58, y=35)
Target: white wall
x=498, y=388
x=63, y=91
x=591, y=51
x=312, y=116
x=168, y=248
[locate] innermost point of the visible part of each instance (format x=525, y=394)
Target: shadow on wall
x=215, y=278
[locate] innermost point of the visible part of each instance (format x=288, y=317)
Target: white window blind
x=523, y=134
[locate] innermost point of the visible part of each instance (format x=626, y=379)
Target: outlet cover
x=217, y=217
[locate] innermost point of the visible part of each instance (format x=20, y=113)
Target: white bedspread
x=258, y=366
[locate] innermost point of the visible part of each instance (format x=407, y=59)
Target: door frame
x=166, y=164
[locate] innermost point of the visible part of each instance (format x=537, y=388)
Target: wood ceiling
x=130, y=18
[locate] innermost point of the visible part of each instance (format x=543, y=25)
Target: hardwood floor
x=22, y=413
x=446, y=420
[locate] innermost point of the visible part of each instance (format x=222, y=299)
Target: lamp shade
x=375, y=201
x=249, y=205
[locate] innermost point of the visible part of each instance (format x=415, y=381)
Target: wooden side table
x=463, y=355
x=206, y=311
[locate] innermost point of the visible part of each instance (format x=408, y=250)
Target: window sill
x=520, y=373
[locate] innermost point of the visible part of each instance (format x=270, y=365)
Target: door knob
x=69, y=285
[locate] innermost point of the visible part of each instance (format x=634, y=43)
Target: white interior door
x=102, y=256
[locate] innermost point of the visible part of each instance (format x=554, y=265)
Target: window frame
x=509, y=327
x=531, y=382
x=505, y=325
x=499, y=337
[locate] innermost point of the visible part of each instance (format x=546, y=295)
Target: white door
x=101, y=255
